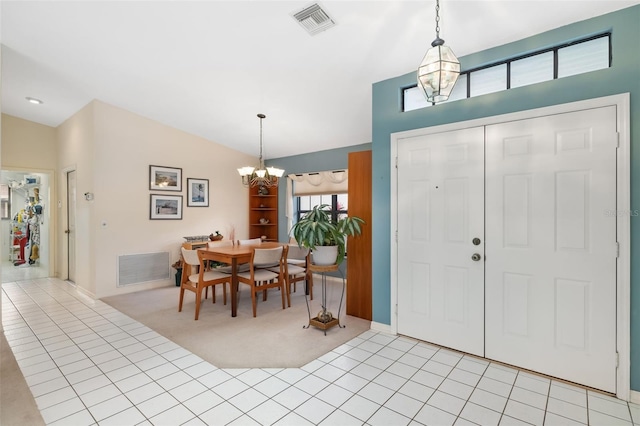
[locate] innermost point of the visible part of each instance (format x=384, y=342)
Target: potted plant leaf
x=317, y=231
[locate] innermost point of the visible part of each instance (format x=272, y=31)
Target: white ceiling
x=208, y=67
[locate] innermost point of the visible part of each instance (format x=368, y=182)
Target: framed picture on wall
x=197, y=192
x=165, y=207
x=165, y=178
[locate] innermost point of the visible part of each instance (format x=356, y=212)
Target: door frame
x=623, y=213
x=51, y=212
x=63, y=207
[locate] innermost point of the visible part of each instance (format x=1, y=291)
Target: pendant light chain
x=437, y=18
x=261, y=116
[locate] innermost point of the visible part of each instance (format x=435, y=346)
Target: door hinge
x=617, y=140
x=396, y=162
x=617, y=249
x=396, y=235
x=617, y=359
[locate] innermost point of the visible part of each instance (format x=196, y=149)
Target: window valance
x=316, y=183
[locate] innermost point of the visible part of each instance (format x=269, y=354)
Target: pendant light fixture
x=440, y=69
x=261, y=176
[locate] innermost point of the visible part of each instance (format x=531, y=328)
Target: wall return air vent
x=314, y=19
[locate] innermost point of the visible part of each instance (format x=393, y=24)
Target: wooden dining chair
x=202, y=279
x=250, y=241
x=262, y=277
x=298, y=259
x=228, y=243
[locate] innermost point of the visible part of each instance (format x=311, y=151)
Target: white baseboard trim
x=82, y=290
x=634, y=396
x=383, y=328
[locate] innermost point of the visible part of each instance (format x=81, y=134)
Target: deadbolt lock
x=476, y=241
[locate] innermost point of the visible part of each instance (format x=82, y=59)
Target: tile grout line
x=52, y=303
x=47, y=351
x=88, y=357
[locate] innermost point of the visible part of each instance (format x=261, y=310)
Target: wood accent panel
x=359, y=297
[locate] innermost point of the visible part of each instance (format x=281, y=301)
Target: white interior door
x=551, y=246
x=440, y=212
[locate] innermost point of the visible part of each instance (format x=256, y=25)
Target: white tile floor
x=87, y=364
x=22, y=272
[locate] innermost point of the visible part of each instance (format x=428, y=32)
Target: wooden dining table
x=234, y=256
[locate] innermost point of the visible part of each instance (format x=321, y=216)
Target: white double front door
x=505, y=247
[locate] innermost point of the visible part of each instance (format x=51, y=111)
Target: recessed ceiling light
x=34, y=100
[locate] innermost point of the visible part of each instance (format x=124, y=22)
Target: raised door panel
x=440, y=212
x=551, y=249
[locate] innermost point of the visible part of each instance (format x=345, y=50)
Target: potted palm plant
x=317, y=231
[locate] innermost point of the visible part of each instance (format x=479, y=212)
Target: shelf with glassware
x=263, y=213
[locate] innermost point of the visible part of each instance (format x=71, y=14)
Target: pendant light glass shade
x=439, y=69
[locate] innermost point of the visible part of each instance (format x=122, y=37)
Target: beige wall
x=75, y=143
x=111, y=150
x=27, y=145
x=31, y=147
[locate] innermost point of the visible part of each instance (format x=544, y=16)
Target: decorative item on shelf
x=262, y=206
x=263, y=176
x=263, y=190
x=216, y=237
x=439, y=69
x=324, y=316
x=196, y=238
x=264, y=220
x=316, y=230
x=263, y=238
x=178, y=265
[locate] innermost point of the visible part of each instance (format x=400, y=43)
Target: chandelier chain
x=437, y=18
x=261, y=163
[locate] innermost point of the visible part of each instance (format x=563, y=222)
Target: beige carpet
x=275, y=338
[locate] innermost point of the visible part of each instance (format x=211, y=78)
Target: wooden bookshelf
x=263, y=213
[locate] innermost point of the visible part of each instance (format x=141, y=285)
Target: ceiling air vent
x=314, y=19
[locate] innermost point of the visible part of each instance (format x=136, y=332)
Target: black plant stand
x=322, y=321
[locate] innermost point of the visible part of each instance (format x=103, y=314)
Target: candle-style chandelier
x=260, y=176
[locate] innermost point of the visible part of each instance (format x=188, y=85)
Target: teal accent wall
x=333, y=159
x=622, y=77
